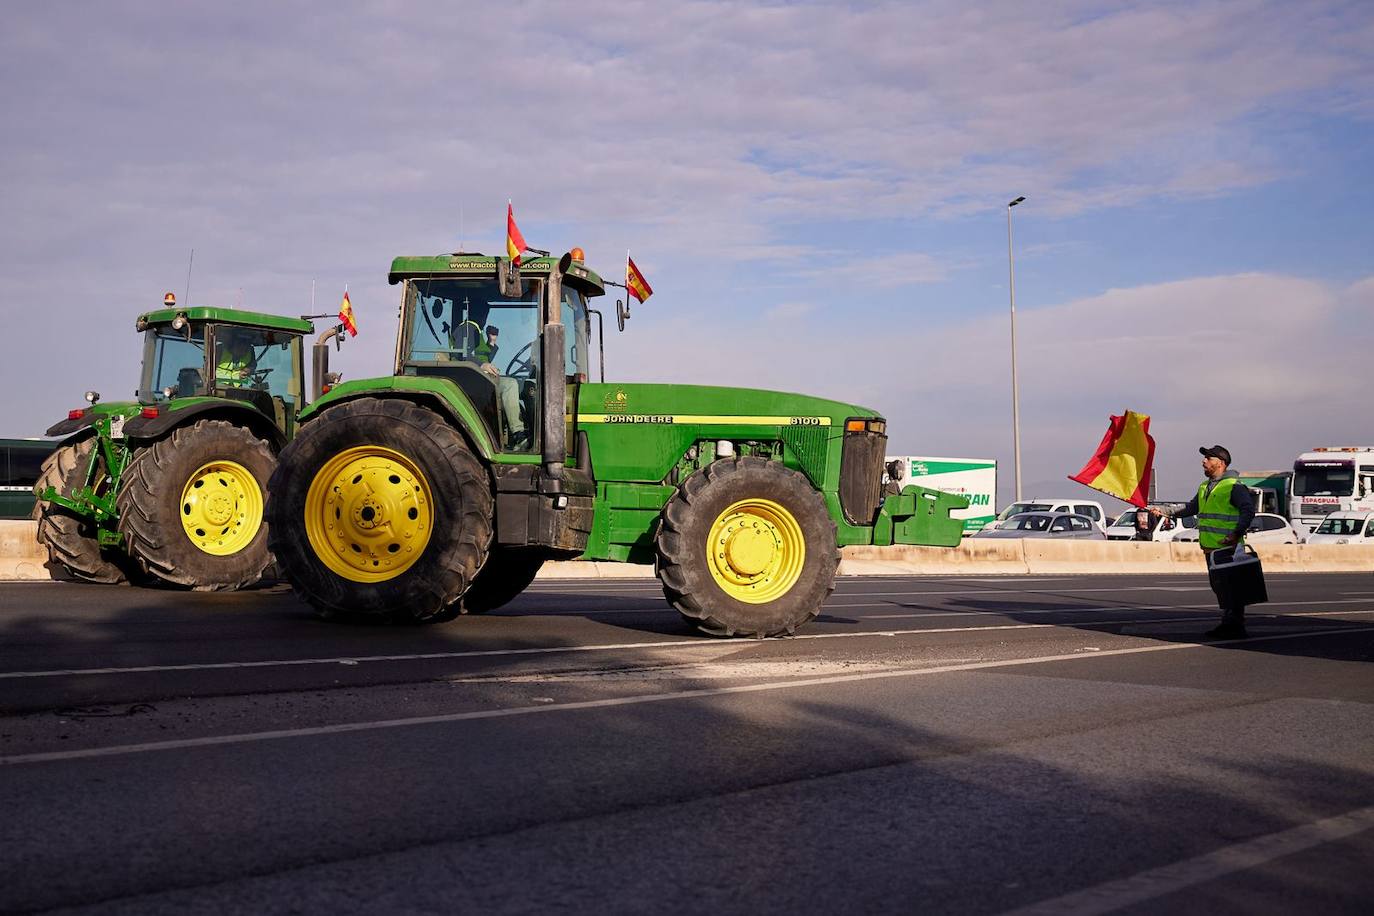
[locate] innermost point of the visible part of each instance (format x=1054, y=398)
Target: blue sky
x=816, y=191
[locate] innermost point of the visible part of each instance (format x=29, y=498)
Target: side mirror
x=621, y=313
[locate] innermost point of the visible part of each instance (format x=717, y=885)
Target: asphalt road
x=1059, y=744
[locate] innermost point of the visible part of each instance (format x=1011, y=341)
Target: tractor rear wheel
x=191, y=507
x=507, y=572
x=379, y=509
x=746, y=548
x=70, y=539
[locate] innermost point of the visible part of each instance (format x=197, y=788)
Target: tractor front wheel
x=746, y=548
x=71, y=540
x=191, y=507
x=379, y=509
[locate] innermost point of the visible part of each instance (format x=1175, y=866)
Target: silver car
x=1057, y=525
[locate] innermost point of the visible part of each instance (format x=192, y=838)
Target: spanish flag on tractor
x=1124, y=462
x=515, y=242
x=635, y=282
x=346, y=316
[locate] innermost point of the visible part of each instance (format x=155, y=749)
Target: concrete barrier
x=21, y=557
x=974, y=556
x=1047, y=556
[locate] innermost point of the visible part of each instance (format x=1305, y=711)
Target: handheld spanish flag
x=346, y=316
x=1124, y=461
x=635, y=282
x=515, y=242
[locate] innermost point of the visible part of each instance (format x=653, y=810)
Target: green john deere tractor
x=171, y=487
x=442, y=489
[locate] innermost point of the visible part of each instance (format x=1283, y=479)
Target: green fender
x=431, y=391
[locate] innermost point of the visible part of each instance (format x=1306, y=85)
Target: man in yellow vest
x=1224, y=508
x=235, y=363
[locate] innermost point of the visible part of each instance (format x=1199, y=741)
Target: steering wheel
x=259, y=375
x=521, y=368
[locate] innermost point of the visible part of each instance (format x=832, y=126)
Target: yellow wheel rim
x=221, y=508
x=756, y=551
x=368, y=514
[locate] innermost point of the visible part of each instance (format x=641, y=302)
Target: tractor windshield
x=172, y=364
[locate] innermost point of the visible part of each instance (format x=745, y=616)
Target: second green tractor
x=171, y=486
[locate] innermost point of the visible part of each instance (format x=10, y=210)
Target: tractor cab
x=224, y=353
x=478, y=323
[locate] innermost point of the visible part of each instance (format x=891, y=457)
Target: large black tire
x=681, y=543
x=150, y=507
x=73, y=550
x=507, y=572
x=460, y=506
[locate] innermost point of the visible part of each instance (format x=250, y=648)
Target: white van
x=1088, y=507
x=1350, y=527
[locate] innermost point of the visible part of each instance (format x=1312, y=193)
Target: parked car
x=1086, y=507
x=1348, y=527
x=1065, y=525
x=1267, y=528
x=1161, y=529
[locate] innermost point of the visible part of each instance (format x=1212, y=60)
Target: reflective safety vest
x=1216, y=517
x=228, y=369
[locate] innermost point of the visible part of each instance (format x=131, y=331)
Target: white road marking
x=699, y=643
x=703, y=693
x=1167, y=879
x=1115, y=607
x=1010, y=609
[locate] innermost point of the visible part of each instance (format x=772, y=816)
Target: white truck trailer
x=975, y=478
x=1334, y=478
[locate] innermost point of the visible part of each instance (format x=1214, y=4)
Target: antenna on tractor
x=187, y=298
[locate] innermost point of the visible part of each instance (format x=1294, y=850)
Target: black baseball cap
x=1216, y=451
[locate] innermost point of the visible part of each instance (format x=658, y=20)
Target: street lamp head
x=1016, y=201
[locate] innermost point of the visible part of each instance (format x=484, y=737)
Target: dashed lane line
x=700, y=643
x=703, y=693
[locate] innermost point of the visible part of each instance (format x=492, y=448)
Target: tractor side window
x=463, y=329
x=575, y=319
x=172, y=364
x=257, y=359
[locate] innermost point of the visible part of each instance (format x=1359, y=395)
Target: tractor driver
x=507, y=388
x=236, y=361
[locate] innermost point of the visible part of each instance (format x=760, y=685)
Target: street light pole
x=1015, y=391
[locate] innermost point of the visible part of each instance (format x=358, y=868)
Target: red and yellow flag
x=346, y=316
x=1124, y=461
x=635, y=282
x=515, y=242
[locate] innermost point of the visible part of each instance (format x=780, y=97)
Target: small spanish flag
x=515, y=242
x=635, y=282
x=346, y=316
x=1124, y=461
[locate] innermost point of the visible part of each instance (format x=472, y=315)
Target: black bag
x=1240, y=573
